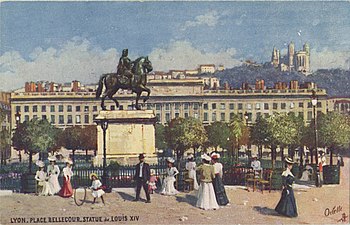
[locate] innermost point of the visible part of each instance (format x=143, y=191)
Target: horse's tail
x=100, y=85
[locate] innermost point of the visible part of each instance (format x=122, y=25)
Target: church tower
x=291, y=56
x=275, y=58
x=306, y=49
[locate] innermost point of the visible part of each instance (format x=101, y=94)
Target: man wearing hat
x=142, y=176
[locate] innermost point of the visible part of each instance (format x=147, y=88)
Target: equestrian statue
x=131, y=75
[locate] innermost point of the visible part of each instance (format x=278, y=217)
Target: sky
x=65, y=41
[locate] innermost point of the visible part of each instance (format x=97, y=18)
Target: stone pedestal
x=129, y=133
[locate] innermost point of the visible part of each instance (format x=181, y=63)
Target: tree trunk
x=95, y=152
x=311, y=155
x=301, y=154
x=86, y=153
x=19, y=156
x=73, y=156
x=40, y=156
x=194, y=152
x=2, y=158
x=331, y=159
x=30, y=162
x=260, y=151
x=273, y=155
x=282, y=153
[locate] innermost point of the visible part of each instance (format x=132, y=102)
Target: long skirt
x=206, y=197
x=168, y=186
x=67, y=190
x=192, y=175
x=54, y=184
x=220, y=192
x=287, y=205
x=46, y=189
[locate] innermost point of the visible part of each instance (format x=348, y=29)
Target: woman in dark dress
x=219, y=187
x=287, y=205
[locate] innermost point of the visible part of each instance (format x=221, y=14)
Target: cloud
x=183, y=55
x=209, y=19
x=327, y=59
x=77, y=59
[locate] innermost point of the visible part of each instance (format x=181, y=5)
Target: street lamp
x=314, y=104
x=104, y=126
x=18, y=121
x=246, y=116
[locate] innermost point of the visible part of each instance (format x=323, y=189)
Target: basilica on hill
x=294, y=60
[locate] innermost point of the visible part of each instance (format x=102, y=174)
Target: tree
x=260, y=134
x=236, y=127
x=333, y=132
x=5, y=138
x=218, y=132
x=182, y=134
x=160, y=140
x=35, y=136
x=89, y=139
x=72, y=138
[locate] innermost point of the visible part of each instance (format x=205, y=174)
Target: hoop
x=77, y=200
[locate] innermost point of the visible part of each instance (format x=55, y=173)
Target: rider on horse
x=124, y=67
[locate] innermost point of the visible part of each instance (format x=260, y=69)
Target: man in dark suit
x=142, y=177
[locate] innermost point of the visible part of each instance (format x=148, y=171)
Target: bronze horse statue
x=113, y=82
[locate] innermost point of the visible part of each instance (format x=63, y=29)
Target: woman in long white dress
x=53, y=171
x=206, y=194
x=168, y=183
x=191, y=168
x=42, y=178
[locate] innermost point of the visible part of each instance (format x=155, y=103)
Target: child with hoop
x=97, y=188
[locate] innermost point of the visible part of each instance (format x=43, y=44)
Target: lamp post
x=18, y=121
x=314, y=104
x=104, y=126
x=246, y=116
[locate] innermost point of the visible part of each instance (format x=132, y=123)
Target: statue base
x=128, y=134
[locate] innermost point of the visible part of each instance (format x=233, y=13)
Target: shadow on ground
x=266, y=211
x=125, y=196
x=190, y=199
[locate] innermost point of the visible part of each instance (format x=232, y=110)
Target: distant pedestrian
x=218, y=185
x=169, y=181
x=53, y=171
x=256, y=165
x=287, y=205
x=152, y=185
x=142, y=176
x=191, y=168
x=206, y=194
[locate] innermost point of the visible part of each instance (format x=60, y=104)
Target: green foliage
x=182, y=134
x=160, y=140
x=72, y=138
x=334, y=130
x=236, y=127
x=35, y=136
x=260, y=132
x=218, y=132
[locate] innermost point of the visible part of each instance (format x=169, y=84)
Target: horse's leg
x=138, y=94
x=146, y=89
x=103, y=101
x=110, y=96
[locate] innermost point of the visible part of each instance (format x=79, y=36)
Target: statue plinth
x=129, y=133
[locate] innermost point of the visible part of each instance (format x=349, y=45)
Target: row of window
x=63, y=119
x=258, y=106
x=52, y=108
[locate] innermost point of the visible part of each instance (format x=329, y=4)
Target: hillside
x=336, y=81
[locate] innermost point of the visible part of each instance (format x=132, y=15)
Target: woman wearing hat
x=97, y=188
x=206, y=195
x=169, y=180
x=67, y=190
x=219, y=187
x=41, y=176
x=191, y=168
x=287, y=205
x=53, y=171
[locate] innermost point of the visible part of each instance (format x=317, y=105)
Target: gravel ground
x=314, y=205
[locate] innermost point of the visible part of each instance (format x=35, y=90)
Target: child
x=97, y=188
x=152, y=182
